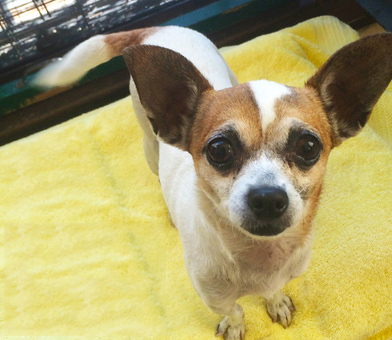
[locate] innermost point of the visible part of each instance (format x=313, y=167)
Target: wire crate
x=31, y=30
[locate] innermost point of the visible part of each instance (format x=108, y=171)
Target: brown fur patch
x=229, y=107
x=305, y=106
x=120, y=40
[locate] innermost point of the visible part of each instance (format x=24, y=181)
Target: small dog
x=241, y=166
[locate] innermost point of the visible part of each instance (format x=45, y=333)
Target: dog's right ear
x=169, y=88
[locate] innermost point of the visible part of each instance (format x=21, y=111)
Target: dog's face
x=260, y=149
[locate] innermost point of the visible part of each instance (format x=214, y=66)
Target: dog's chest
x=265, y=271
x=253, y=272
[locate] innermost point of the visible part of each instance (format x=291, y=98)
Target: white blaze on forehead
x=266, y=94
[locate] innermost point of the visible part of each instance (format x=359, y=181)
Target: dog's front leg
x=279, y=308
x=232, y=326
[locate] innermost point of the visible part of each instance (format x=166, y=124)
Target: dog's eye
x=308, y=148
x=220, y=151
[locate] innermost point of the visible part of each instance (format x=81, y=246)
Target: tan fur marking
x=120, y=40
x=229, y=107
x=234, y=106
x=305, y=106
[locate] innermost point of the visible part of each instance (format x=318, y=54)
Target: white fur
x=75, y=64
x=94, y=51
x=199, y=50
x=266, y=94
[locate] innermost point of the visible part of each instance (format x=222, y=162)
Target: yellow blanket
x=89, y=250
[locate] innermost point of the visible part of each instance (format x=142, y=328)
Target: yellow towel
x=89, y=250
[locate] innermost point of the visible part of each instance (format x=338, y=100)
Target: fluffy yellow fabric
x=90, y=252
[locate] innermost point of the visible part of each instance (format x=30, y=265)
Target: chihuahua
x=241, y=165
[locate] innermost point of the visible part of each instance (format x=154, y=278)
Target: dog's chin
x=266, y=228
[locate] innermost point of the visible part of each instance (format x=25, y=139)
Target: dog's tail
x=87, y=55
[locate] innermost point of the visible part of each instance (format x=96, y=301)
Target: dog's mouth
x=267, y=228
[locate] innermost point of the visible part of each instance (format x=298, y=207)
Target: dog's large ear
x=169, y=88
x=351, y=82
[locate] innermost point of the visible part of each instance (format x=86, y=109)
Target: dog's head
x=260, y=149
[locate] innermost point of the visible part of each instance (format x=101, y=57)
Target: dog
x=241, y=166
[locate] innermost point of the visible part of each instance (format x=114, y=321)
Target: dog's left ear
x=169, y=88
x=351, y=82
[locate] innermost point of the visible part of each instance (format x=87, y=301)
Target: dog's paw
x=230, y=330
x=280, y=308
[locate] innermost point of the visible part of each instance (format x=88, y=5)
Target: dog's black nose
x=268, y=202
